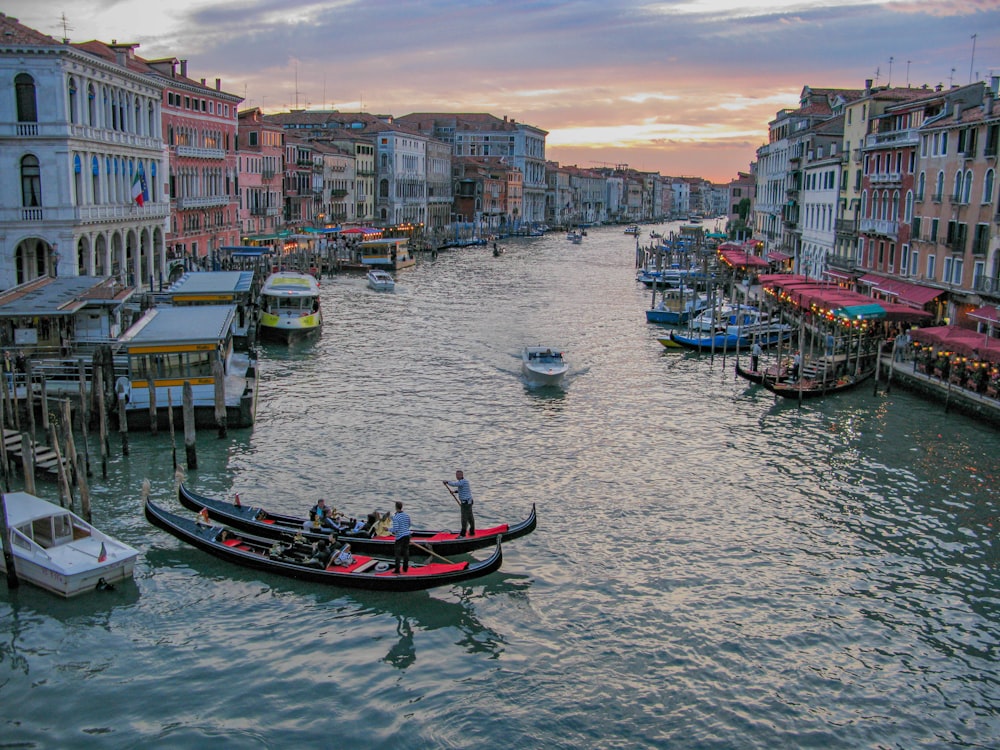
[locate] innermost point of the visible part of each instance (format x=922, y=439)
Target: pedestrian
x=755, y=353
x=464, y=502
x=796, y=365
x=401, y=530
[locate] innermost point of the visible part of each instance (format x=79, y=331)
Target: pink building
x=261, y=159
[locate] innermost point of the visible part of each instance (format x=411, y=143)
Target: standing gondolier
x=401, y=530
x=464, y=502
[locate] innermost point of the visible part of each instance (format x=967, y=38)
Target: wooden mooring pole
x=189, y=426
x=8, y=553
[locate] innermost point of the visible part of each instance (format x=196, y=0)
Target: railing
x=202, y=201
x=128, y=211
x=267, y=174
x=936, y=197
x=31, y=214
x=845, y=226
x=201, y=153
x=886, y=177
x=880, y=226
x=985, y=285
x=894, y=138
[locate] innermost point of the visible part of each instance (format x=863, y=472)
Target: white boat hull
x=543, y=365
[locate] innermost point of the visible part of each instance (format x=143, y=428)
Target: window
x=939, y=187
x=24, y=89
x=908, y=207
x=988, y=186
x=967, y=187
x=914, y=263
x=31, y=182
x=930, y=267
x=72, y=101
x=921, y=184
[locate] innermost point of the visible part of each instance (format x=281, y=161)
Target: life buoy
x=123, y=388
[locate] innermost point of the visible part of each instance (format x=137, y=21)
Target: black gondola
x=297, y=560
x=815, y=388
x=276, y=526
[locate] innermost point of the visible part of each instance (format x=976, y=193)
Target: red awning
x=778, y=256
x=914, y=294
x=741, y=259
x=960, y=340
x=842, y=275
x=987, y=314
x=871, y=278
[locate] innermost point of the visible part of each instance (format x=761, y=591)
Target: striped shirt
x=401, y=524
x=464, y=490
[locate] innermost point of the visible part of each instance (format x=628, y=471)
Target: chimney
x=868, y=85
x=218, y=84
x=184, y=68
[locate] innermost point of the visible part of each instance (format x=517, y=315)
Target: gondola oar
x=445, y=481
x=430, y=552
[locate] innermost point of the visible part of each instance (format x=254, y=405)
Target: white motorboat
x=543, y=364
x=575, y=237
x=58, y=551
x=289, y=306
x=381, y=281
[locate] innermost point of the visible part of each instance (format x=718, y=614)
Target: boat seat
x=365, y=567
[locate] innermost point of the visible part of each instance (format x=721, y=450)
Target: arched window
x=967, y=187
x=908, y=207
x=95, y=181
x=24, y=89
x=77, y=180
x=864, y=204
x=91, y=105
x=151, y=120
x=31, y=182
x=956, y=193
x=988, y=186
x=885, y=205
x=894, y=213
x=383, y=187
x=72, y=101
x=939, y=186
x=921, y=184
x=137, y=118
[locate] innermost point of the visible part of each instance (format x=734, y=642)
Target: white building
x=83, y=135
x=401, y=163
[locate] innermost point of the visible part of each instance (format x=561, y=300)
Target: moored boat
x=809, y=388
x=732, y=328
x=169, y=347
x=543, y=364
x=380, y=280
x=58, y=551
x=289, y=306
x=260, y=522
x=677, y=306
x=300, y=560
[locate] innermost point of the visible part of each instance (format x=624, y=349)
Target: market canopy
x=987, y=314
x=735, y=256
x=827, y=298
x=962, y=341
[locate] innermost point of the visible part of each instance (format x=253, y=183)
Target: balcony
x=985, y=285
x=267, y=174
x=338, y=194
x=202, y=201
x=201, y=153
x=31, y=214
x=882, y=227
x=886, y=178
x=845, y=226
x=908, y=137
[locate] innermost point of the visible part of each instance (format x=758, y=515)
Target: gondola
x=296, y=559
x=815, y=388
x=772, y=373
x=258, y=521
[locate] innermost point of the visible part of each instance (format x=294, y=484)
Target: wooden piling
x=153, y=422
x=189, y=426
x=65, y=491
x=170, y=423
x=219, y=374
x=29, y=399
x=102, y=419
x=8, y=552
x=122, y=421
x=28, y=462
x=71, y=454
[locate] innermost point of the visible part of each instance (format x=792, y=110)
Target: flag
x=104, y=553
x=137, y=191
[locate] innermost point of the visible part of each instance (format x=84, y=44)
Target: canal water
x=711, y=569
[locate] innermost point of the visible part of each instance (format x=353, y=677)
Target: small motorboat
x=58, y=551
x=381, y=280
x=543, y=364
x=255, y=520
x=317, y=562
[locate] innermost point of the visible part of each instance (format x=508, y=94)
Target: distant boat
x=381, y=281
x=543, y=365
x=677, y=306
x=289, y=306
x=632, y=229
x=60, y=552
x=575, y=237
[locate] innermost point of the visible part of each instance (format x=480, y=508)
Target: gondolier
x=464, y=502
x=401, y=531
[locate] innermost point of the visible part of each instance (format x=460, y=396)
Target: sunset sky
x=683, y=88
